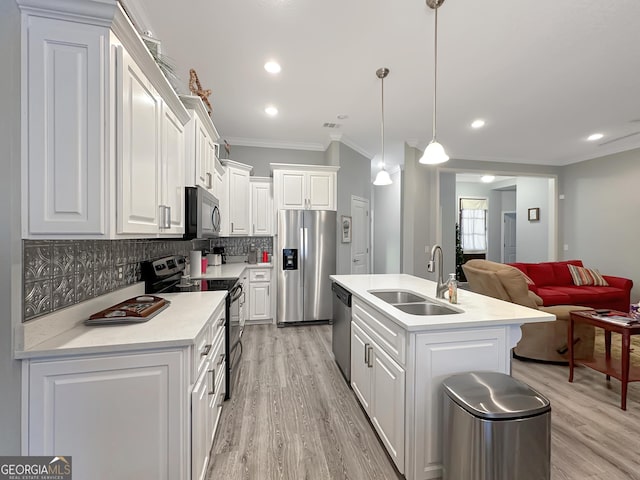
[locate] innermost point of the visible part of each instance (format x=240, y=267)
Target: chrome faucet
x=441, y=287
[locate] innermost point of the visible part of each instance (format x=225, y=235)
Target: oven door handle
x=235, y=293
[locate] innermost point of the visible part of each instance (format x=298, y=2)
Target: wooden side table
x=611, y=367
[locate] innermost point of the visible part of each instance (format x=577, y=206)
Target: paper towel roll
x=195, y=261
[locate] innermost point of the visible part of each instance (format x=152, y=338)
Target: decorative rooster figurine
x=196, y=89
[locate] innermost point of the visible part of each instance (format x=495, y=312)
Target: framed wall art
x=345, y=222
x=534, y=214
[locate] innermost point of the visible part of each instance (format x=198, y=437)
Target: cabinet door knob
x=366, y=353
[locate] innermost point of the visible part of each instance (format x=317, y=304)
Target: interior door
x=360, y=231
x=508, y=237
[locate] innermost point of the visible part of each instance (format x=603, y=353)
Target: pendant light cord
x=435, y=72
x=382, y=125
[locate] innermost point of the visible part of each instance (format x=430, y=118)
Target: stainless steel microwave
x=202, y=214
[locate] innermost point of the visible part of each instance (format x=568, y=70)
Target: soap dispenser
x=452, y=285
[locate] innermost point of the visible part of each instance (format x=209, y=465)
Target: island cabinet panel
x=379, y=384
x=119, y=416
x=385, y=332
x=437, y=356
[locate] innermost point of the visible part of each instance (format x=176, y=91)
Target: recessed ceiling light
x=488, y=178
x=595, y=136
x=272, y=67
x=342, y=116
x=479, y=123
x=271, y=111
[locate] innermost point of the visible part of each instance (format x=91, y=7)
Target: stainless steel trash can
x=495, y=428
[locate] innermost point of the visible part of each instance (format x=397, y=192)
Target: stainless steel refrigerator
x=307, y=256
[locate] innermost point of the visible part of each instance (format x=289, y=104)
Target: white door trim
x=367, y=222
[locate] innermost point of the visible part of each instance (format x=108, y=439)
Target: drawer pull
x=213, y=382
x=366, y=353
x=221, y=322
x=221, y=359
x=370, y=359
x=207, y=349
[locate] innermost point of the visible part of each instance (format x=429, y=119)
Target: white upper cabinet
x=63, y=166
x=201, y=146
x=305, y=187
x=235, y=203
x=261, y=206
x=172, y=174
x=218, y=180
x=138, y=109
x=96, y=108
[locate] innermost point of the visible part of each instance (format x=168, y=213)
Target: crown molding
x=261, y=143
x=94, y=12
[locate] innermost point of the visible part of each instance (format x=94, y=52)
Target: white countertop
x=176, y=326
x=478, y=310
x=228, y=270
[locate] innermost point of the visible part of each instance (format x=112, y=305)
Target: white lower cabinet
x=260, y=295
x=199, y=410
x=379, y=384
x=148, y=415
x=118, y=416
x=396, y=376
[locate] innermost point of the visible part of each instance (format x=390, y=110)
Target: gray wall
x=353, y=179
x=449, y=209
x=260, y=158
x=599, y=215
x=420, y=213
x=10, y=244
x=386, y=225
x=531, y=237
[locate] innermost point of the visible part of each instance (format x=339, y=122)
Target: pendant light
x=434, y=153
x=382, y=178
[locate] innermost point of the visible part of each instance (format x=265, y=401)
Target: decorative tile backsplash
x=240, y=245
x=59, y=273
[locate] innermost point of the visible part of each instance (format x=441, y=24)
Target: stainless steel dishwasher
x=341, y=334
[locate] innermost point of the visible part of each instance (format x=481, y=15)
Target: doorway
x=360, y=235
x=508, y=237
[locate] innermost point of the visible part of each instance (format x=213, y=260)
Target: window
x=473, y=224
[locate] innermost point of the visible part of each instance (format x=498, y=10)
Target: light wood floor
x=292, y=416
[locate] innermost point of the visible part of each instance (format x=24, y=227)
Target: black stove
x=167, y=275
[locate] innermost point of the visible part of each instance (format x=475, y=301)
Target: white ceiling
x=544, y=75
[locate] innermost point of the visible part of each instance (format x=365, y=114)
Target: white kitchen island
x=398, y=360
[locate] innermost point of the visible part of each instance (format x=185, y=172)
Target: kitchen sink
x=397, y=296
x=426, y=309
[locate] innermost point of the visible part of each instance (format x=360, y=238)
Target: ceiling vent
x=331, y=125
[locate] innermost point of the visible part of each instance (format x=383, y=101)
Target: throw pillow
x=586, y=276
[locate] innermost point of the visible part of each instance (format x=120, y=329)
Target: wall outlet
x=427, y=249
x=120, y=273
x=565, y=247
x=561, y=197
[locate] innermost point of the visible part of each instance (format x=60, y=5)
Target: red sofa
x=553, y=283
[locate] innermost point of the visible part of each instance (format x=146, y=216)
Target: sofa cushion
x=586, y=276
x=554, y=296
x=562, y=273
x=541, y=273
x=590, y=295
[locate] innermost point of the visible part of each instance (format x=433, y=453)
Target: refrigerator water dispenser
x=290, y=259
